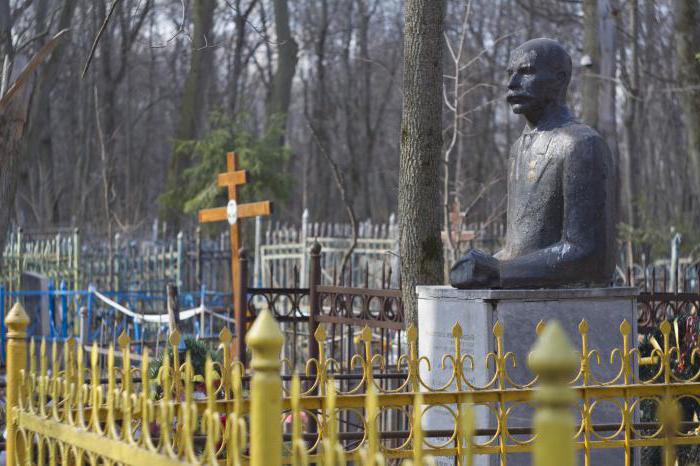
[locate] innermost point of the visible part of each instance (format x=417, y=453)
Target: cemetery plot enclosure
x=144, y=416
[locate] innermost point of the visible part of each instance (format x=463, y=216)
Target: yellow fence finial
x=17, y=322
x=265, y=340
x=554, y=361
x=84, y=412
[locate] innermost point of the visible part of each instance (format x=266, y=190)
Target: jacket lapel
x=542, y=155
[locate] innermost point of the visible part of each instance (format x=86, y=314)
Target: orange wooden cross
x=458, y=235
x=232, y=213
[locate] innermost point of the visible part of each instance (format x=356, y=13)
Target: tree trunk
x=192, y=107
x=193, y=104
x=7, y=48
x=421, y=145
x=366, y=104
x=238, y=69
x=38, y=149
x=630, y=158
x=687, y=14
x=599, y=81
x=287, y=50
x=12, y=128
x=321, y=200
x=606, y=120
x=591, y=49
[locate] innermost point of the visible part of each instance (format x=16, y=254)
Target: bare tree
x=14, y=114
x=421, y=145
x=599, y=81
x=193, y=105
x=287, y=50
x=629, y=158
x=13, y=121
x=241, y=16
x=347, y=83
x=38, y=149
x=687, y=13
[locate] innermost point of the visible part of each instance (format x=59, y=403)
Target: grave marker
x=232, y=213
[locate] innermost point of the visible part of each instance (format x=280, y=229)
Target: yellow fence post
x=265, y=339
x=555, y=361
x=16, y=321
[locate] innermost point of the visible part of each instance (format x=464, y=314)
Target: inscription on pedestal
x=436, y=339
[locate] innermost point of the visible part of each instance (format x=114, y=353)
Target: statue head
x=539, y=72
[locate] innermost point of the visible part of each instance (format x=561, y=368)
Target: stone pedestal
x=519, y=311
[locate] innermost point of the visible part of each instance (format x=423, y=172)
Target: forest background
x=133, y=127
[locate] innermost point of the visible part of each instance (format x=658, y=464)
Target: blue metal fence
x=104, y=323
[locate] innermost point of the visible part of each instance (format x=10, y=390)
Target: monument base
x=519, y=312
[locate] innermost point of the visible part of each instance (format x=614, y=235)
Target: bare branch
x=343, y=196
x=99, y=36
x=24, y=76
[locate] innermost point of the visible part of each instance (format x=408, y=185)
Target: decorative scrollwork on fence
x=78, y=407
x=654, y=308
x=359, y=306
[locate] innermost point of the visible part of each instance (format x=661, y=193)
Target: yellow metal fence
x=64, y=409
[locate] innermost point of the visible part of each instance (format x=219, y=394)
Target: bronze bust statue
x=560, y=225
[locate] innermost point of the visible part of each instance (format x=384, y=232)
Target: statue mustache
x=517, y=96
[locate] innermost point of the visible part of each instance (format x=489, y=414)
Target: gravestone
x=36, y=304
x=519, y=311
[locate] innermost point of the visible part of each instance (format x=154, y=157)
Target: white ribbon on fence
x=158, y=318
x=219, y=316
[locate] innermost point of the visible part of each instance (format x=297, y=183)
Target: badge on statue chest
x=532, y=171
x=232, y=212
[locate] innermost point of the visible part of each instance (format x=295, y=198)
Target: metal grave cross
x=232, y=213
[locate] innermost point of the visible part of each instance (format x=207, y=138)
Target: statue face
x=532, y=84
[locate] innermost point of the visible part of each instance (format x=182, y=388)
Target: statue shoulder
x=580, y=139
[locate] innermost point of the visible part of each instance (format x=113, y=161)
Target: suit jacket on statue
x=560, y=208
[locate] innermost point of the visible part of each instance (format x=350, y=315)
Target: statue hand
x=475, y=270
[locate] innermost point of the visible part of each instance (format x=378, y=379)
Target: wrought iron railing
x=61, y=410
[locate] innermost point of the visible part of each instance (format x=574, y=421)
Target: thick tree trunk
x=287, y=50
x=687, y=14
x=12, y=127
x=421, y=144
x=193, y=106
x=239, y=62
x=599, y=80
x=38, y=149
x=606, y=121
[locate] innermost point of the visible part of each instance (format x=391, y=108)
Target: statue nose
x=514, y=83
